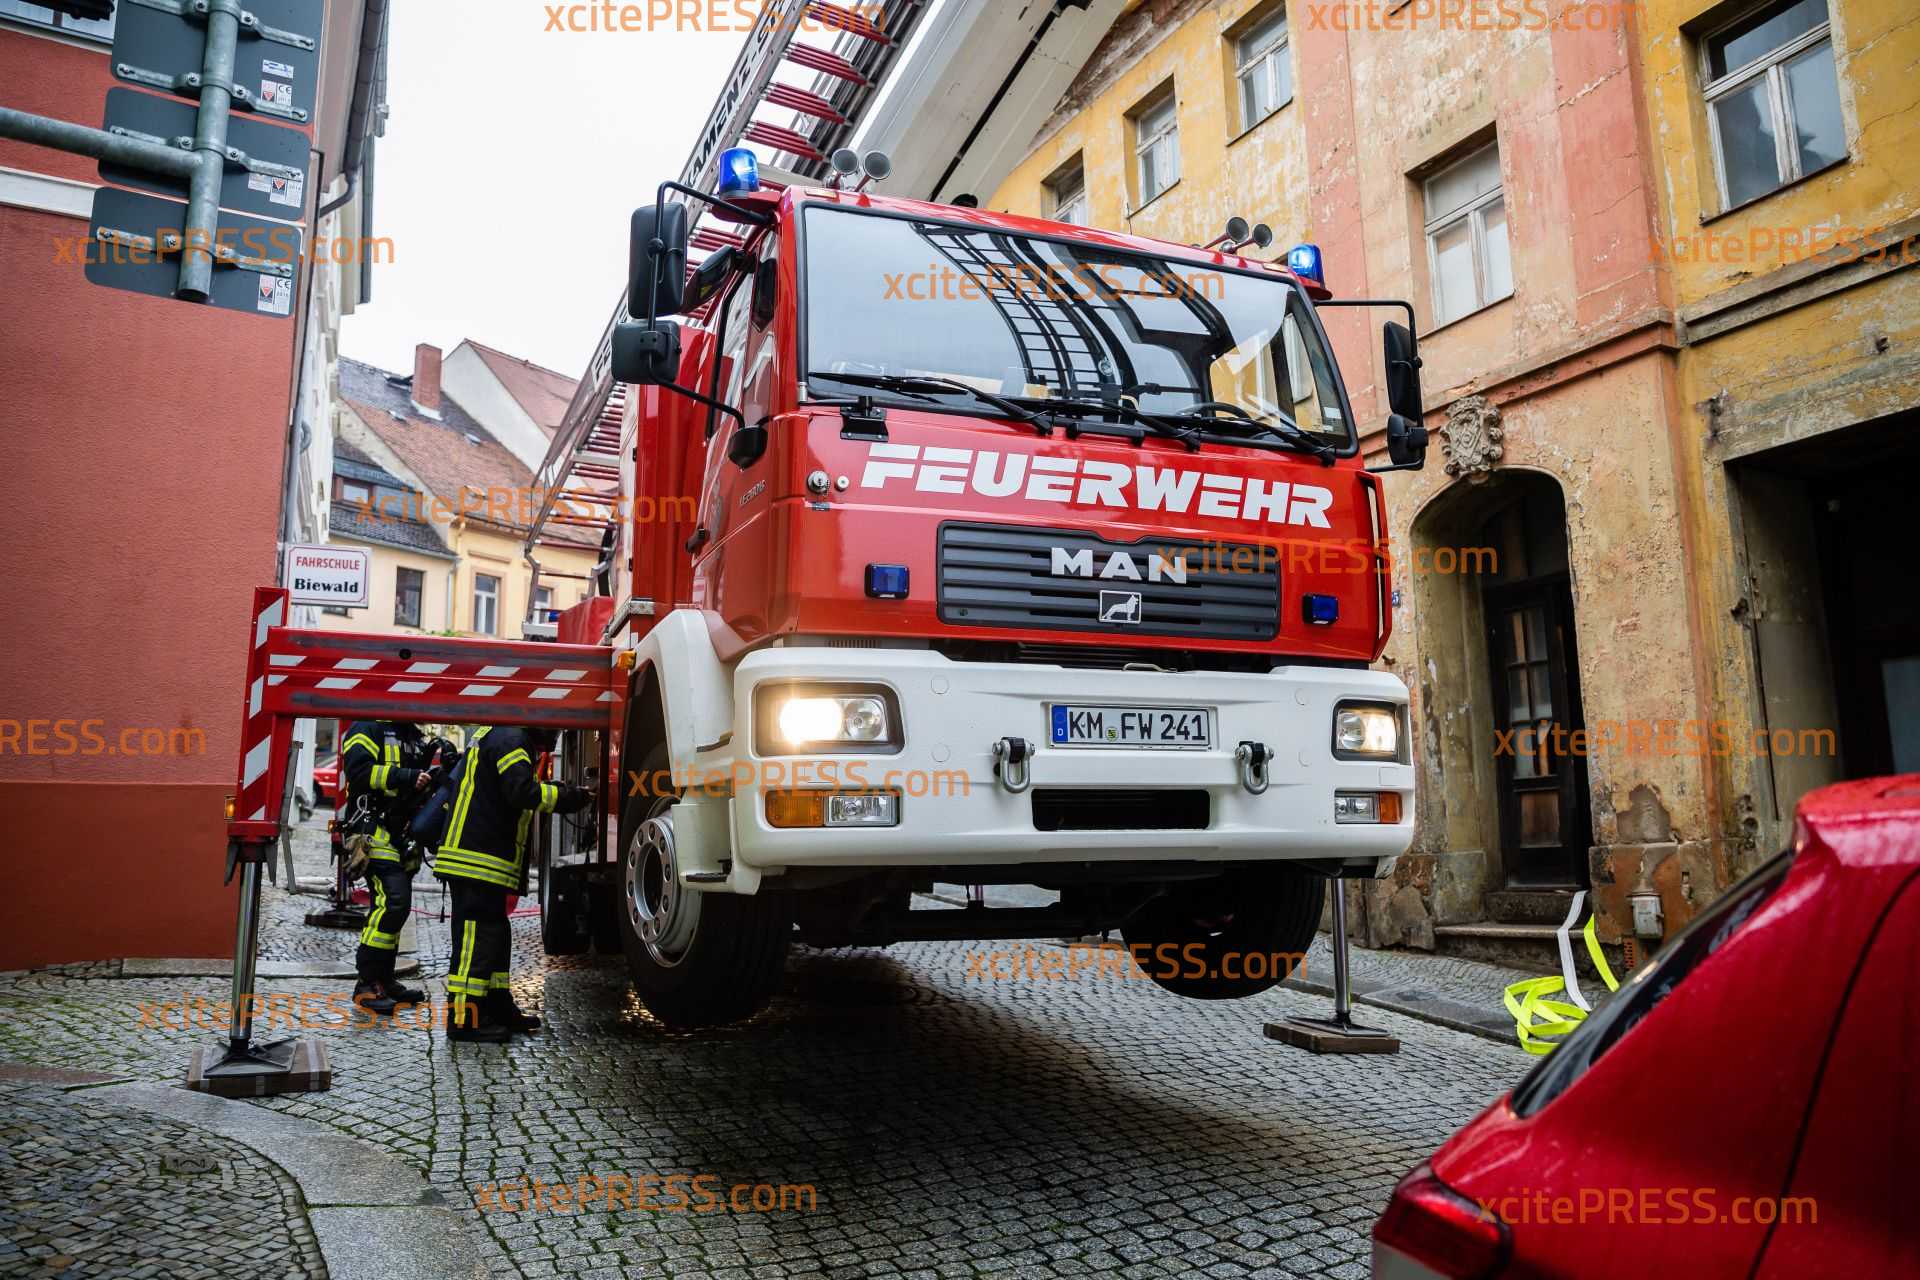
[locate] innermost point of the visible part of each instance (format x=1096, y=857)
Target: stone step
x=1534, y=948
x=1529, y=906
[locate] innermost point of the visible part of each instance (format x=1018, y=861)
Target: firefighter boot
x=500, y=1008
x=467, y=1022
x=373, y=992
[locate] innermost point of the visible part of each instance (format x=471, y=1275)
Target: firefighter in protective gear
x=483, y=858
x=387, y=774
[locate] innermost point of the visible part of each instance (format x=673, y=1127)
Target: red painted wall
x=141, y=446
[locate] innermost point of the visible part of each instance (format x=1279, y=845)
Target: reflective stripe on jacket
x=374, y=761
x=493, y=808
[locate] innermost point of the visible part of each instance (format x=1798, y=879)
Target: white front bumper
x=954, y=810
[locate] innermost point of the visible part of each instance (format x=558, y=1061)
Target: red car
x=1743, y=1107
x=326, y=784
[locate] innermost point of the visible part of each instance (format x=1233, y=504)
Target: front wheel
x=697, y=959
x=1232, y=937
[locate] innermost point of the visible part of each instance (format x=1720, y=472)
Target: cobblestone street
x=947, y=1126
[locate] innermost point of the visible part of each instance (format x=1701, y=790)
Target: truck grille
x=1000, y=576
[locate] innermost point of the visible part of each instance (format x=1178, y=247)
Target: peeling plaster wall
x=1784, y=346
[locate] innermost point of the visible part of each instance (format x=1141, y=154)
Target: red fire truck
x=947, y=546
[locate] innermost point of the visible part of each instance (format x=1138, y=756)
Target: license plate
x=1176, y=728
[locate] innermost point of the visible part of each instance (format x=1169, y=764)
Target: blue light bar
x=1304, y=261
x=739, y=171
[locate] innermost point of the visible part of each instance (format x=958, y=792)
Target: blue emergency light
x=739, y=171
x=887, y=581
x=1304, y=261
x=1320, y=611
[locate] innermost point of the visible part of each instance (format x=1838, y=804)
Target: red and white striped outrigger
x=294, y=673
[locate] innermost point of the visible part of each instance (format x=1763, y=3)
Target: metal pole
x=210, y=150
x=114, y=148
x=246, y=936
x=1342, y=993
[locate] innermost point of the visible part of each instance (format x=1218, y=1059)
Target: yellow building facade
x=1613, y=414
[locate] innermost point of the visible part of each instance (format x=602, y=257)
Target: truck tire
x=1245, y=923
x=697, y=959
x=562, y=932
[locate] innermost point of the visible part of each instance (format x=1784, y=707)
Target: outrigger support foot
x=1338, y=1034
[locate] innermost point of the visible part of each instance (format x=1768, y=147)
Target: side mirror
x=657, y=261
x=1403, y=372
x=1406, y=443
x=647, y=356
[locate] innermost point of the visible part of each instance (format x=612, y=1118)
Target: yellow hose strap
x=1534, y=1016
x=1599, y=956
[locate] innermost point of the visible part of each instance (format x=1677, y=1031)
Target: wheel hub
x=663, y=913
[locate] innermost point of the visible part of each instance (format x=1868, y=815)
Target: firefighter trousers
x=392, y=888
x=482, y=948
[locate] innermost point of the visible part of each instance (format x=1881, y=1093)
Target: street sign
x=135, y=243
x=273, y=185
x=162, y=44
x=331, y=576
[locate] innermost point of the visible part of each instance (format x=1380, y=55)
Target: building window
x=1156, y=148
x=1467, y=253
x=543, y=604
x=93, y=28
x=1265, y=71
x=408, y=585
x=1773, y=99
x=486, y=604
x=355, y=493
x=1067, y=194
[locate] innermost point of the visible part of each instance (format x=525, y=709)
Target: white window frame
x=1475, y=211
x=542, y=603
x=1144, y=142
x=492, y=597
x=1772, y=65
x=1269, y=59
x=1073, y=209
x=420, y=603
x=348, y=486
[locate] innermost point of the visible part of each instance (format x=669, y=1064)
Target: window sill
x=1157, y=197
x=1461, y=319
x=1709, y=218
x=1257, y=123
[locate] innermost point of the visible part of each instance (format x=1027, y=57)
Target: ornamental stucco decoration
x=1473, y=436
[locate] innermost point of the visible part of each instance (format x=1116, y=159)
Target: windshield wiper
x=1282, y=430
x=1158, y=424
x=919, y=384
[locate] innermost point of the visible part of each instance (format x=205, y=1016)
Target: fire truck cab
x=976, y=549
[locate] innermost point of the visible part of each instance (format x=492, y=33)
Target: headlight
x=794, y=719
x=1366, y=733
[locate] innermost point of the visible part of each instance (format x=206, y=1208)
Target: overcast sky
x=511, y=160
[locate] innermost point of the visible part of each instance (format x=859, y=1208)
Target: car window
x=1704, y=935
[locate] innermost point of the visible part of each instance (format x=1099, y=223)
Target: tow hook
x=1252, y=759
x=1013, y=764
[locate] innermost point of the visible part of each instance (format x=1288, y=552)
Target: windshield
x=1017, y=315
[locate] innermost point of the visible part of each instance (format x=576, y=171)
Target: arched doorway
x=1500, y=660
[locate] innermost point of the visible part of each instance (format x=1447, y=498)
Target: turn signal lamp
x=799, y=808
x=1304, y=261
x=739, y=171
x=228, y=807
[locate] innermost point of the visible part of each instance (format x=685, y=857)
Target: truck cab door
x=733, y=559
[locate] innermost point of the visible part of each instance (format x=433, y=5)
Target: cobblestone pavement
x=105, y=1191
x=947, y=1126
